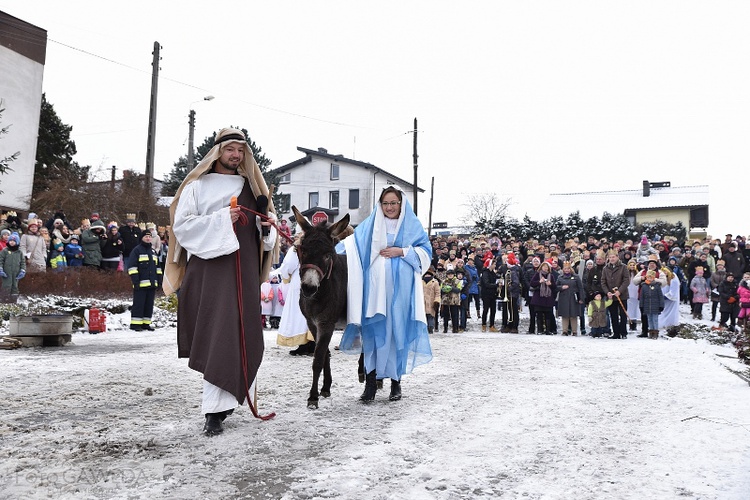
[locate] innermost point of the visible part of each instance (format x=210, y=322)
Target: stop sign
x=319, y=217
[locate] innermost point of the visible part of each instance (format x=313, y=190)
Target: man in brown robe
x=213, y=325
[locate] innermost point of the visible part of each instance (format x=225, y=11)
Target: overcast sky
x=518, y=98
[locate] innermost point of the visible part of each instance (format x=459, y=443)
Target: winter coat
x=701, y=290
x=744, y=294
x=12, y=261
x=597, y=312
x=35, y=249
x=113, y=246
x=92, y=243
x=513, y=286
x=266, y=298
x=537, y=300
x=643, y=251
x=131, y=238
x=143, y=267
x=488, y=285
x=472, y=276
x=594, y=281
x=616, y=276
x=735, y=264
x=727, y=291
x=570, y=299
x=74, y=254
x=451, y=292
x=528, y=272
x=431, y=291
x=716, y=279
x=651, y=299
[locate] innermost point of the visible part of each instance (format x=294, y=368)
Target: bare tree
x=485, y=212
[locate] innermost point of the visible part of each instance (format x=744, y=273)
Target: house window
x=313, y=200
x=353, y=199
x=286, y=178
x=334, y=172
x=285, y=203
x=333, y=199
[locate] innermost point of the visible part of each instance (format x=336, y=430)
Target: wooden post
x=429, y=219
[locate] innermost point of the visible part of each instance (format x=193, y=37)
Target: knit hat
x=112, y=224
x=4, y=232
x=95, y=216
x=451, y=271
x=58, y=222
x=73, y=237
x=15, y=238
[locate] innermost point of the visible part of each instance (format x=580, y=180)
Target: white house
x=333, y=184
x=23, y=49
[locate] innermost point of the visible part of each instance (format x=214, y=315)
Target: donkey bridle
x=323, y=276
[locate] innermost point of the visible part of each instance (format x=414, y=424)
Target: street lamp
x=191, y=124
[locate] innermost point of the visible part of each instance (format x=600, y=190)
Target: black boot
x=395, y=390
x=371, y=387
x=615, y=336
x=213, y=425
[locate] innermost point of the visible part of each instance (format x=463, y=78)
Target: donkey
x=323, y=278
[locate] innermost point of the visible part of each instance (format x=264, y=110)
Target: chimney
x=646, y=189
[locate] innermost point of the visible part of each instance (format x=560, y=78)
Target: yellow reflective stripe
x=145, y=283
x=132, y=270
x=142, y=257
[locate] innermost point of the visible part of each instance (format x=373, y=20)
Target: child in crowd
x=597, y=313
x=463, y=308
x=744, y=292
x=651, y=302
x=278, y=302
x=701, y=292
x=431, y=288
x=729, y=300
x=450, y=300
x=74, y=252
x=57, y=256
x=12, y=268
x=266, y=301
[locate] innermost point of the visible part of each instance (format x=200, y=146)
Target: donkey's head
x=316, y=250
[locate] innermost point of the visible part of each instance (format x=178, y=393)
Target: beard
x=232, y=165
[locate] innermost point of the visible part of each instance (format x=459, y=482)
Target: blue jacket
x=74, y=254
x=472, y=278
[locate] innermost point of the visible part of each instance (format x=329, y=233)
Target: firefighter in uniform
x=145, y=272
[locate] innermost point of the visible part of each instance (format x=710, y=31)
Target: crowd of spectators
x=560, y=279
x=57, y=244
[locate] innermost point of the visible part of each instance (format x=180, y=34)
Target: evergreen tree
x=54, y=153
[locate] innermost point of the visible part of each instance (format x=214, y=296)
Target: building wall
x=316, y=177
x=21, y=93
x=672, y=216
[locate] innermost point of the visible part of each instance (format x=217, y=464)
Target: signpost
x=319, y=217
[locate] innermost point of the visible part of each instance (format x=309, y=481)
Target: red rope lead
x=243, y=220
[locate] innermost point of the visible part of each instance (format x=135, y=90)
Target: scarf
x=544, y=289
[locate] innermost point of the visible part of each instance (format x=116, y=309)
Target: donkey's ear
x=301, y=220
x=339, y=229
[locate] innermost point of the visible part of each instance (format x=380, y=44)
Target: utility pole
x=152, y=117
x=416, y=190
x=429, y=219
x=191, y=134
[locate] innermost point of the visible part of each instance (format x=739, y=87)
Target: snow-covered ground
x=117, y=415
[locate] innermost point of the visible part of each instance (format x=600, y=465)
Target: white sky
x=520, y=98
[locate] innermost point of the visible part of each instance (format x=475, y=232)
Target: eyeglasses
x=390, y=203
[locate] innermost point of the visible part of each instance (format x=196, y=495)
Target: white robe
x=670, y=316
x=293, y=326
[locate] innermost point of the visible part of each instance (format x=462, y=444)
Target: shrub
x=77, y=282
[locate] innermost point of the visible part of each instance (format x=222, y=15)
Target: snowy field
x=117, y=415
